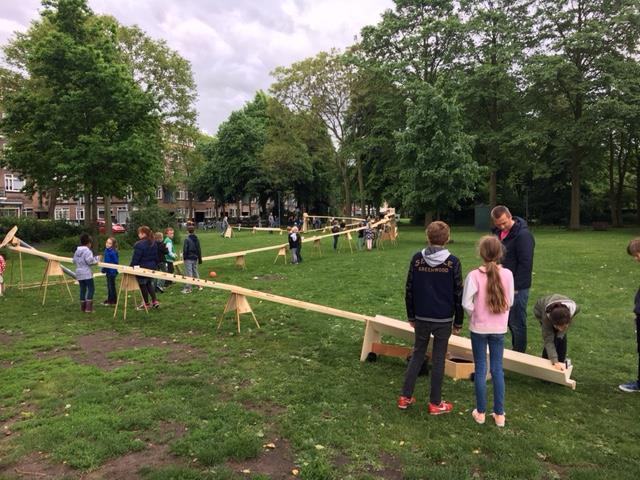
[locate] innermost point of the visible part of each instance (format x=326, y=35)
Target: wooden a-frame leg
x=45, y=282
x=66, y=284
x=371, y=336
x=115, y=311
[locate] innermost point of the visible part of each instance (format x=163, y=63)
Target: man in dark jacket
x=514, y=234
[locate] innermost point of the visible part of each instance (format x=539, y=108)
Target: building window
x=61, y=213
x=183, y=195
x=9, y=211
x=79, y=213
x=13, y=183
x=100, y=213
x=208, y=213
x=27, y=212
x=159, y=193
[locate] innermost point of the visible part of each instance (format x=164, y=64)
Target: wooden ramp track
x=285, y=245
x=460, y=347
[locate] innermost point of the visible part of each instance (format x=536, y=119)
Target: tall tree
x=321, y=85
x=498, y=32
x=79, y=113
x=574, y=36
x=438, y=171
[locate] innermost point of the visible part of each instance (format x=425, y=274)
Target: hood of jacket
x=435, y=256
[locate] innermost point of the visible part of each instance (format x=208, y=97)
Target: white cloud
x=232, y=45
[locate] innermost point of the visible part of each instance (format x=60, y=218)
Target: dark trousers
x=169, y=270
x=518, y=320
x=441, y=333
x=87, y=289
x=638, y=343
x=111, y=289
x=148, y=289
x=335, y=242
x=561, y=348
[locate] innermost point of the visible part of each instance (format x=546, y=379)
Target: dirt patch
x=93, y=349
x=267, y=409
x=276, y=463
x=8, y=338
x=391, y=467
x=38, y=466
x=6, y=427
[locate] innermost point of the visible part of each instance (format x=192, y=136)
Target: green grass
x=299, y=377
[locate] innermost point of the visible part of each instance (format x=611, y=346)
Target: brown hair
x=158, y=236
x=167, y=230
x=438, y=233
x=491, y=250
x=114, y=243
x=634, y=246
x=148, y=234
x=559, y=314
x=500, y=210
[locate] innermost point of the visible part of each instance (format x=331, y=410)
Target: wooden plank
x=460, y=347
x=8, y=238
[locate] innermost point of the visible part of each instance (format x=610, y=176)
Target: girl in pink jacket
x=487, y=296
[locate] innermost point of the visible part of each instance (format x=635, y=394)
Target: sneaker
x=185, y=291
x=200, y=289
x=478, y=417
x=143, y=306
x=405, y=402
x=155, y=304
x=499, y=419
x=444, y=407
x=630, y=387
x=106, y=303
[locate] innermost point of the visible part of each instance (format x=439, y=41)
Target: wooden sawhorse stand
x=128, y=283
x=53, y=269
x=317, y=248
x=239, y=304
x=282, y=252
x=240, y=262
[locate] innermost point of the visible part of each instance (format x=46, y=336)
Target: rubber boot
x=89, y=306
x=83, y=306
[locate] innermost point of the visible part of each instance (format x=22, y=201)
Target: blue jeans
x=518, y=321
x=479, y=343
x=87, y=289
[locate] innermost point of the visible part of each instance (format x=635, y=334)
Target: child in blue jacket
x=111, y=256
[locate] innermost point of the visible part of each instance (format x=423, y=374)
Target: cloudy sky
x=232, y=44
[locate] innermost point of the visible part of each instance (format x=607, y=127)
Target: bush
x=68, y=244
x=32, y=230
x=156, y=218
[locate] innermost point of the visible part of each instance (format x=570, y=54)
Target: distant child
x=192, y=256
x=295, y=241
x=145, y=255
x=160, y=265
x=171, y=256
x=555, y=314
x=3, y=265
x=335, y=229
x=488, y=295
x=224, y=226
x=369, y=235
x=83, y=258
x=633, y=249
x=361, y=235
x=111, y=256
x=433, y=297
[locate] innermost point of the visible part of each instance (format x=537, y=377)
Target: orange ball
x=213, y=274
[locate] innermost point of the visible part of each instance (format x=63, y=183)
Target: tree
x=437, y=171
x=321, y=85
x=574, y=37
x=79, y=115
x=488, y=85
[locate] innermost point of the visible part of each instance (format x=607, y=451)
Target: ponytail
x=491, y=250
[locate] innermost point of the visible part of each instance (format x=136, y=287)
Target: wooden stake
x=240, y=262
x=282, y=252
x=317, y=248
x=239, y=304
x=128, y=283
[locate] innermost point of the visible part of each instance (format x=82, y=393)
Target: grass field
x=163, y=396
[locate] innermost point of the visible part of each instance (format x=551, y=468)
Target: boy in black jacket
x=433, y=299
x=192, y=256
x=633, y=249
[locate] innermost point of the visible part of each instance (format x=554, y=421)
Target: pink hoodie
x=474, y=301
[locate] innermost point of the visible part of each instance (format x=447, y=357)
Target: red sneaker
x=405, y=402
x=444, y=407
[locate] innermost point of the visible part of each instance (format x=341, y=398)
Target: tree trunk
x=107, y=216
x=361, y=184
x=493, y=188
x=612, y=204
x=52, y=196
x=574, y=220
x=192, y=214
x=428, y=217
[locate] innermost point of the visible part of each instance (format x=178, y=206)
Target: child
x=369, y=234
x=488, y=295
x=555, y=313
x=433, y=298
x=83, y=259
x=160, y=264
x=633, y=249
x=145, y=255
x=192, y=256
x=170, y=257
x=3, y=265
x=335, y=229
x=361, y=235
x=294, y=244
x=111, y=256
